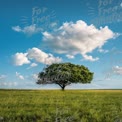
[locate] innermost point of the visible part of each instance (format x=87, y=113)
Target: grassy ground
x=60, y=106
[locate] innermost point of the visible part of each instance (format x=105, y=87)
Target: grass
x=60, y=106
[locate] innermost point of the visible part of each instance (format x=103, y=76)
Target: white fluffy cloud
x=117, y=70
x=37, y=55
x=18, y=75
x=69, y=56
x=42, y=57
x=35, y=76
x=32, y=29
x=20, y=58
x=2, y=77
x=78, y=38
x=33, y=65
x=103, y=51
x=7, y=84
x=90, y=58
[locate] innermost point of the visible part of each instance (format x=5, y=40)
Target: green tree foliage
x=64, y=74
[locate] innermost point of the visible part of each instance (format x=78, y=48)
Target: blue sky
x=36, y=33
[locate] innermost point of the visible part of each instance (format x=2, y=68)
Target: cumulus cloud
x=37, y=55
x=90, y=58
x=42, y=57
x=2, y=77
x=31, y=29
x=18, y=75
x=35, y=76
x=17, y=28
x=33, y=65
x=78, y=38
x=20, y=58
x=117, y=70
x=114, y=71
x=7, y=84
x=70, y=56
x=54, y=24
x=103, y=51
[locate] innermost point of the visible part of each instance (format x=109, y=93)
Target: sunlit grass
x=60, y=106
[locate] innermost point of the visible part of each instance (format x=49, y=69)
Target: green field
x=60, y=106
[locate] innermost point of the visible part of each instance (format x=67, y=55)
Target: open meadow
x=60, y=106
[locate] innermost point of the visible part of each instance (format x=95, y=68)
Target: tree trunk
x=63, y=87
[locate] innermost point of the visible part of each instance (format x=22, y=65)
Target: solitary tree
x=64, y=74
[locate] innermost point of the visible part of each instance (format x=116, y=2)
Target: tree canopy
x=64, y=74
